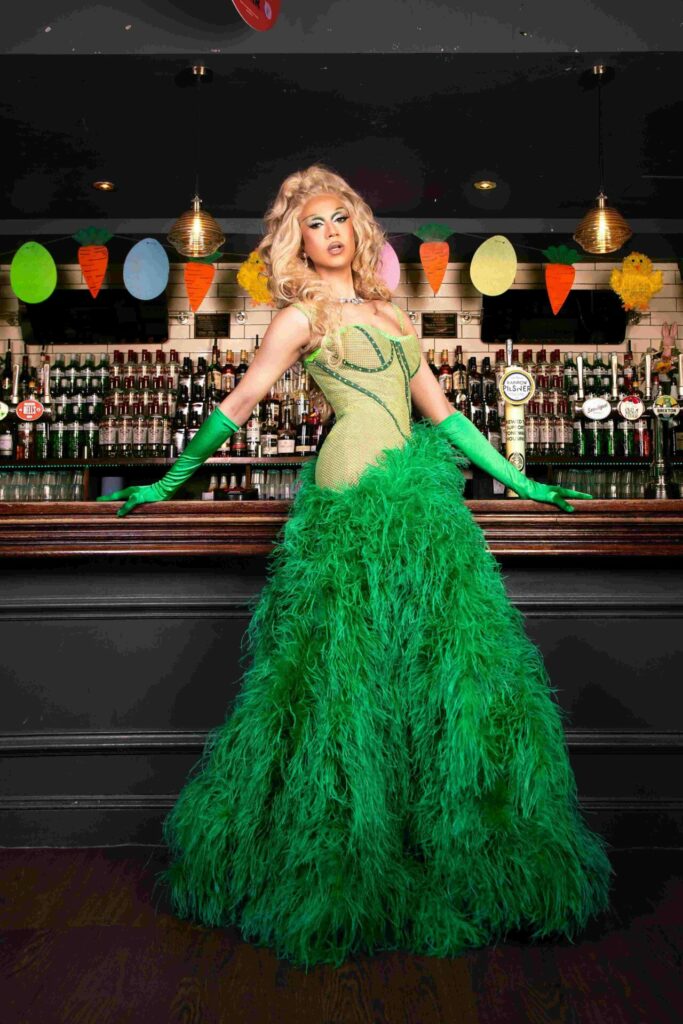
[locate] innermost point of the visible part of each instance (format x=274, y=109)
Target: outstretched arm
x=282, y=346
x=430, y=400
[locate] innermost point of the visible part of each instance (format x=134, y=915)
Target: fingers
x=574, y=494
x=117, y=495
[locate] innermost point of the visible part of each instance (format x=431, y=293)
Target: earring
x=304, y=259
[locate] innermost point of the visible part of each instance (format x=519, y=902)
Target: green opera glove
x=208, y=439
x=463, y=433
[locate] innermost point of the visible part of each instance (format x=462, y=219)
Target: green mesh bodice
x=370, y=395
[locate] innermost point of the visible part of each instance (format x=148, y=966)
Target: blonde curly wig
x=292, y=280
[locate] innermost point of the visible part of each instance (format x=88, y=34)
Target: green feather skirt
x=393, y=773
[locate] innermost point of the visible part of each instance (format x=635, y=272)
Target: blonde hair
x=292, y=280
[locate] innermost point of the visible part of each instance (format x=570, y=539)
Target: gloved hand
x=463, y=433
x=208, y=439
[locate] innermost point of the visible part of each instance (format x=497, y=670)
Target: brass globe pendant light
x=603, y=229
x=196, y=233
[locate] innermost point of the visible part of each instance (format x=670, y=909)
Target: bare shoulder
x=289, y=327
x=389, y=309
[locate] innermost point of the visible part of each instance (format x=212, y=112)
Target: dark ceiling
x=409, y=131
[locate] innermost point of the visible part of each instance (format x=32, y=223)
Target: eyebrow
x=311, y=215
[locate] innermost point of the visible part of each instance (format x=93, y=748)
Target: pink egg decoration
x=389, y=269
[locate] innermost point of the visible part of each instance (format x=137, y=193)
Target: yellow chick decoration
x=636, y=282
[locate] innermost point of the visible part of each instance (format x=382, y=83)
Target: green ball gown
x=393, y=773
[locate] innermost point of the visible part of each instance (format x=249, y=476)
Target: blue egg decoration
x=146, y=269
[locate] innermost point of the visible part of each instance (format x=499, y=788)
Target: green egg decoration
x=33, y=273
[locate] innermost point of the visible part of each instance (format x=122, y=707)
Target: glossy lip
x=330, y=247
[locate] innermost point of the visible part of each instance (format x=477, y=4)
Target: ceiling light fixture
x=485, y=185
x=603, y=229
x=196, y=233
x=104, y=186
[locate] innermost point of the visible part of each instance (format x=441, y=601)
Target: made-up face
x=325, y=221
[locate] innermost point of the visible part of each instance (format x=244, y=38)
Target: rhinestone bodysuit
x=370, y=395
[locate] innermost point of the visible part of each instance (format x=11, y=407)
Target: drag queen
x=393, y=773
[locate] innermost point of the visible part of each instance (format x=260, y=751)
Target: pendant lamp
x=603, y=229
x=196, y=233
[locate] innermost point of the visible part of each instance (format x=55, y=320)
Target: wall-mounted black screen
x=588, y=317
x=72, y=317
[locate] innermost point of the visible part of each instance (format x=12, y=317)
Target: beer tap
x=660, y=411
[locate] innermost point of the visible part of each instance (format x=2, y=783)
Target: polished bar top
x=185, y=528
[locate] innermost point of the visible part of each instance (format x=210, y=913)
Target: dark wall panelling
x=114, y=669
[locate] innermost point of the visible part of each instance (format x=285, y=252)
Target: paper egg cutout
x=494, y=266
x=33, y=273
x=146, y=269
x=389, y=268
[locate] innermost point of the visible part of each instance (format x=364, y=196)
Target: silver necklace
x=356, y=301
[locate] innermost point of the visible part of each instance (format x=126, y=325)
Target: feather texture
x=393, y=773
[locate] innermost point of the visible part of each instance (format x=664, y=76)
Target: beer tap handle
x=579, y=370
x=509, y=343
x=648, y=376
x=615, y=392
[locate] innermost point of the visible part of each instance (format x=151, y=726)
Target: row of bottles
x=83, y=423
x=554, y=378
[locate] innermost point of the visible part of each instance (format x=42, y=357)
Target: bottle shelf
x=132, y=463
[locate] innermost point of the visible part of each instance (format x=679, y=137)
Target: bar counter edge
x=512, y=527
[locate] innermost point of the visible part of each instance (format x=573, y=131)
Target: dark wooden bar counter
x=621, y=528
x=122, y=641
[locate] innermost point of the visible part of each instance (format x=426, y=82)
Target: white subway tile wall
x=457, y=294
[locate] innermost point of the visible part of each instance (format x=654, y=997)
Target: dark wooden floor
x=85, y=941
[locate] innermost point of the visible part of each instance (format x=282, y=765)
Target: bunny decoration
x=663, y=360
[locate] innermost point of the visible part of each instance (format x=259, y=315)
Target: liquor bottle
x=459, y=372
x=6, y=382
x=139, y=424
x=223, y=484
x=215, y=368
x=200, y=382
x=546, y=429
x=185, y=375
x=563, y=429
x=624, y=438
x=166, y=432
x=445, y=376
x=579, y=434
x=532, y=429
x=108, y=435
x=228, y=373
x=477, y=415
x=475, y=388
x=173, y=371
x=72, y=432
x=6, y=439
x=243, y=366
x=286, y=437
x=132, y=368
x=179, y=430
x=155, y=433
x=24, y=378
x=305, y=437
x=253, y=432
x=493, y=434
x=88, y=372
x=570, y=377
x=42, y=426
x=194, y=424
x=488, y=383
x=90, y=434
x=269, y=434
x=430, y=362
x=124, y=432
x=238, y=442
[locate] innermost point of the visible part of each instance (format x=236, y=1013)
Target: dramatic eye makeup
x=318, y=220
